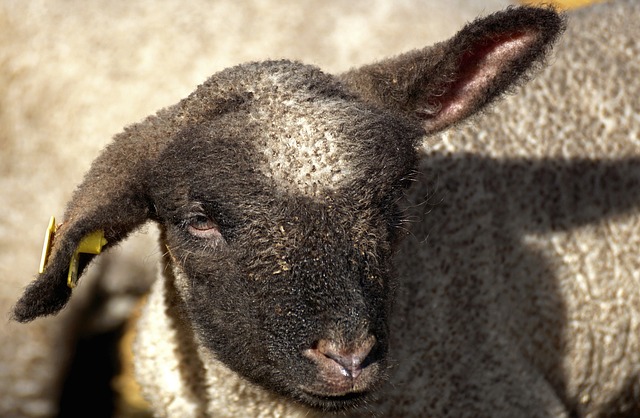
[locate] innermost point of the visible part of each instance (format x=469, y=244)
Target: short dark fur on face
x=277, y=190
x=286, y=270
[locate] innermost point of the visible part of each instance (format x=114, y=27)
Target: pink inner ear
x=478, y=70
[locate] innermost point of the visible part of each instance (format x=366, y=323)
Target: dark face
x=285, y=272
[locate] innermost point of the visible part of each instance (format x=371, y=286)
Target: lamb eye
x=203, y=226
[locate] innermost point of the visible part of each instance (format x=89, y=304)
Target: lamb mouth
x=333, y=402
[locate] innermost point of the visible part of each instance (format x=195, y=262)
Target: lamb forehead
x=306, y=142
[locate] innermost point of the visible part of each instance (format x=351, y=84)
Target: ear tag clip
x=90, y=244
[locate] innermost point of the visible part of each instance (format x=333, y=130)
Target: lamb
x=70, y=77
x=302, y=226
x=457, y=367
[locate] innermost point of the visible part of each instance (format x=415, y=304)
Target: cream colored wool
x=73, y=73
x=528, y=246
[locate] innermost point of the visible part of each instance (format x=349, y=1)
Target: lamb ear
x=446, y=83
x=112, y=198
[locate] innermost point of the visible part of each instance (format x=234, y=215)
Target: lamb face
x=286, y=273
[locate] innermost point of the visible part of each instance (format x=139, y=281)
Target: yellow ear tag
x=48, y=241
x=90, y=244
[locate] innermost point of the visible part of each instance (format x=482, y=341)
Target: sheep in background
x=72, y=76
x=530, y=233
x=276, y=188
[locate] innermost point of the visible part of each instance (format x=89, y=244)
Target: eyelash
x=202, y=226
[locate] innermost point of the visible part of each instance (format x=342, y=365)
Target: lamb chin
x=334, y=403
x=326, y=398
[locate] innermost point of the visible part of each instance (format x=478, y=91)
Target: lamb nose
x=352, y=358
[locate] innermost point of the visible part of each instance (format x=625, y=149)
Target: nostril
x=352, y=358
